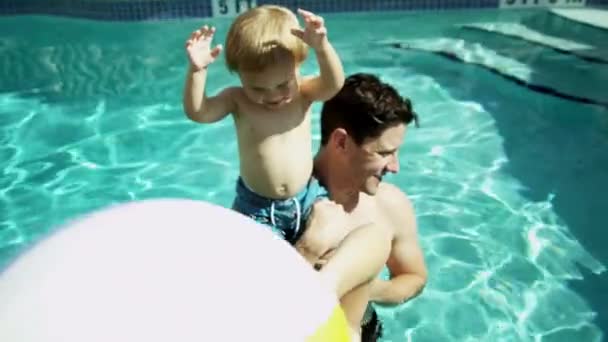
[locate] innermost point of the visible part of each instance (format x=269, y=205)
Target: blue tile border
x=328, y=6
x=118, y=10
x=127, y=10
x=134, y=10
x=597, y=2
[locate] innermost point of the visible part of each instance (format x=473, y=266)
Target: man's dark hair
x=365, y=107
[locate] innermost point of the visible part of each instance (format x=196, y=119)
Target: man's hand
x=326, y=228
x=324, y=259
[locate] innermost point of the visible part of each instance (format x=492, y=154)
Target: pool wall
x=133, y=10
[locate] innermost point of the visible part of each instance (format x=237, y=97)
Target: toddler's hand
x=199, y=48
x=315, y=31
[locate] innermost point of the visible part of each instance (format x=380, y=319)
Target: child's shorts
x=287, y=218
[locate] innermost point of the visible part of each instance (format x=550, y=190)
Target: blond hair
x=262, y=37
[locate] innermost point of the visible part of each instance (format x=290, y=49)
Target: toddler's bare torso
x=275, y=146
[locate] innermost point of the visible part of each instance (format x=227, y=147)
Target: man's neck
x=332, y=177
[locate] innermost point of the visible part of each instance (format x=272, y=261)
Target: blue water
x=508, y=183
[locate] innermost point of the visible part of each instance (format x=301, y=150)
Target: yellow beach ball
x=165, y=270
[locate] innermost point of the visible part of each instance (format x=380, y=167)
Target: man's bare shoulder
x=397, y=206
x=390, y=195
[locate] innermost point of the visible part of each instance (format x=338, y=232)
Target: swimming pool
x=507, y=177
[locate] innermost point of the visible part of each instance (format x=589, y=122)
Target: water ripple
x=493, y=254
x=89, y=123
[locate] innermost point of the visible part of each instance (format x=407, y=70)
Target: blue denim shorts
x=287, y=217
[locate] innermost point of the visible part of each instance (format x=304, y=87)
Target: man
x=362, y=129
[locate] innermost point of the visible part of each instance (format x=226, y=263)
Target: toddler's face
x=274, y=87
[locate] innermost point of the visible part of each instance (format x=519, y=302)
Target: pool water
x=508, y=182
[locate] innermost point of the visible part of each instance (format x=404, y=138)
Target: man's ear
x=339, y=139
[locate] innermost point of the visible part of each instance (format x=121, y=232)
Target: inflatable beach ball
x=165, y=270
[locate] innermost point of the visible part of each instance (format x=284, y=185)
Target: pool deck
x=591, y=16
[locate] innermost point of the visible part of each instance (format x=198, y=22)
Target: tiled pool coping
x=132, y=10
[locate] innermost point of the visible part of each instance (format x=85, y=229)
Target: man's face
x=375, y=157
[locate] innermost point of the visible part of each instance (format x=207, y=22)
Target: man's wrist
x=377, y=288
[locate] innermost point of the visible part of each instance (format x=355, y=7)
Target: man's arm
x=326, y=228
x=406, y=261
x=358, y=259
